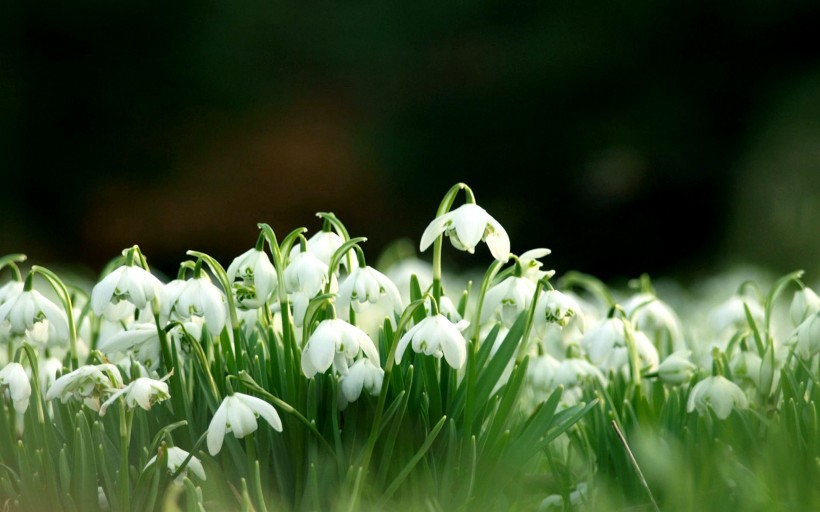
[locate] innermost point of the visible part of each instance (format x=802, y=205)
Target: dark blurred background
x=668, y=137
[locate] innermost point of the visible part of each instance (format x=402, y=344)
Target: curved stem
x=65, y=297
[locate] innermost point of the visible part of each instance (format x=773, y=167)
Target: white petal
x=434, y=230
x=470, y=222
x=241, y=418
x=498, y=241
x=217, y=428
x=263, y=409
x=104, y=290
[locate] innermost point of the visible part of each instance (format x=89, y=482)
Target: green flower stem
x=11, y=261
x=254, y=471
x=522, y=348
x=336, y=259
x=444, y=207
x=330, y=219
x=222, y=277
x=126, y=419
x=65, y=297
x=375, y=428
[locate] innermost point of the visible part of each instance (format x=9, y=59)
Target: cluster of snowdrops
x=353, y=388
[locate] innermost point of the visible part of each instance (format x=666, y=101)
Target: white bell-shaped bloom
x=363, y=374
x=466, y=226
x=807, y=336
x=86, y=384
x=337, y=343
x=323, y=245
x=306, y=274
x=655, y=317
x=541, y=371
x=367, y=285
x=732, y=314
x=677, y=369
x=717, y=393
x=804, y=304
x=573, y=372
x=197, y=297
x=128, y=283
x=436, y=336
x=508, y=299
x=9, y=290
x=237, y=414
x=532, y=267
x=141, y=340
x=445, y=306
x=27, y=309
x=176, y=456
x=605, y=344
x=253, y=278
x=48, y=370
x=554, y=307
x=143, y=392
x=13, y=376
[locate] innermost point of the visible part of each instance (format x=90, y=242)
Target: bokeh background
x=667, y=137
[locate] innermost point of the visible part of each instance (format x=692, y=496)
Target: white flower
x=128, y=283
x=651, y=315
x=466, y=226
x=807, y=336
x=323, y=245
x=9, y=290
x=27, y=309
x=363, y=374
x=541, y=371
x=573, y=372
x=253, y=278
x=366, y=284
x=532, y=267
x=606, y=347
x=14, y=377
x=48, y=370
x=237, y=414
x=176, y=456
x=142, y=391
x=305, y=278
x=335, y=342
x=731, y=314
x=87, y=384
x=508, y=299
x=804, y=304
x=197, y=297
x=718, y=393
x=677, y=368
x=141, y=339
x=554, y=307
x=436, y=336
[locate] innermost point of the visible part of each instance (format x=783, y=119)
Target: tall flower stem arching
x=342, y=252
x=65, y=297
x=11, y=261
x=443, y=208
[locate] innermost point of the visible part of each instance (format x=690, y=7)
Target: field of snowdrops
x=300, y=377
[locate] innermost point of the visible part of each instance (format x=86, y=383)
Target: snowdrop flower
x=253, y=278
x=807, y=336
x=718, y=393
x=305, y=278
x=143, y=391
x=197, y=297
x=651, y=315
x=541, y=371
x=141, y=339
x=363, y=374
x=323, y=245
x=466, y=226
x=87, y=384
x=437, y=336
x=554, y=307
x=731, y=314
x=606, y=346
x=804, y=304
x=335, y=342
x=128, y=283
x=508, y=299
x=366, y=284
x=445, y=307
x=26, y=310
x=176, y=456
x=10, y=289
x=14, y=377
x=532, y=267
x=48, y=370
x=574, y=372
x=677, y=368
x=237, y=414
